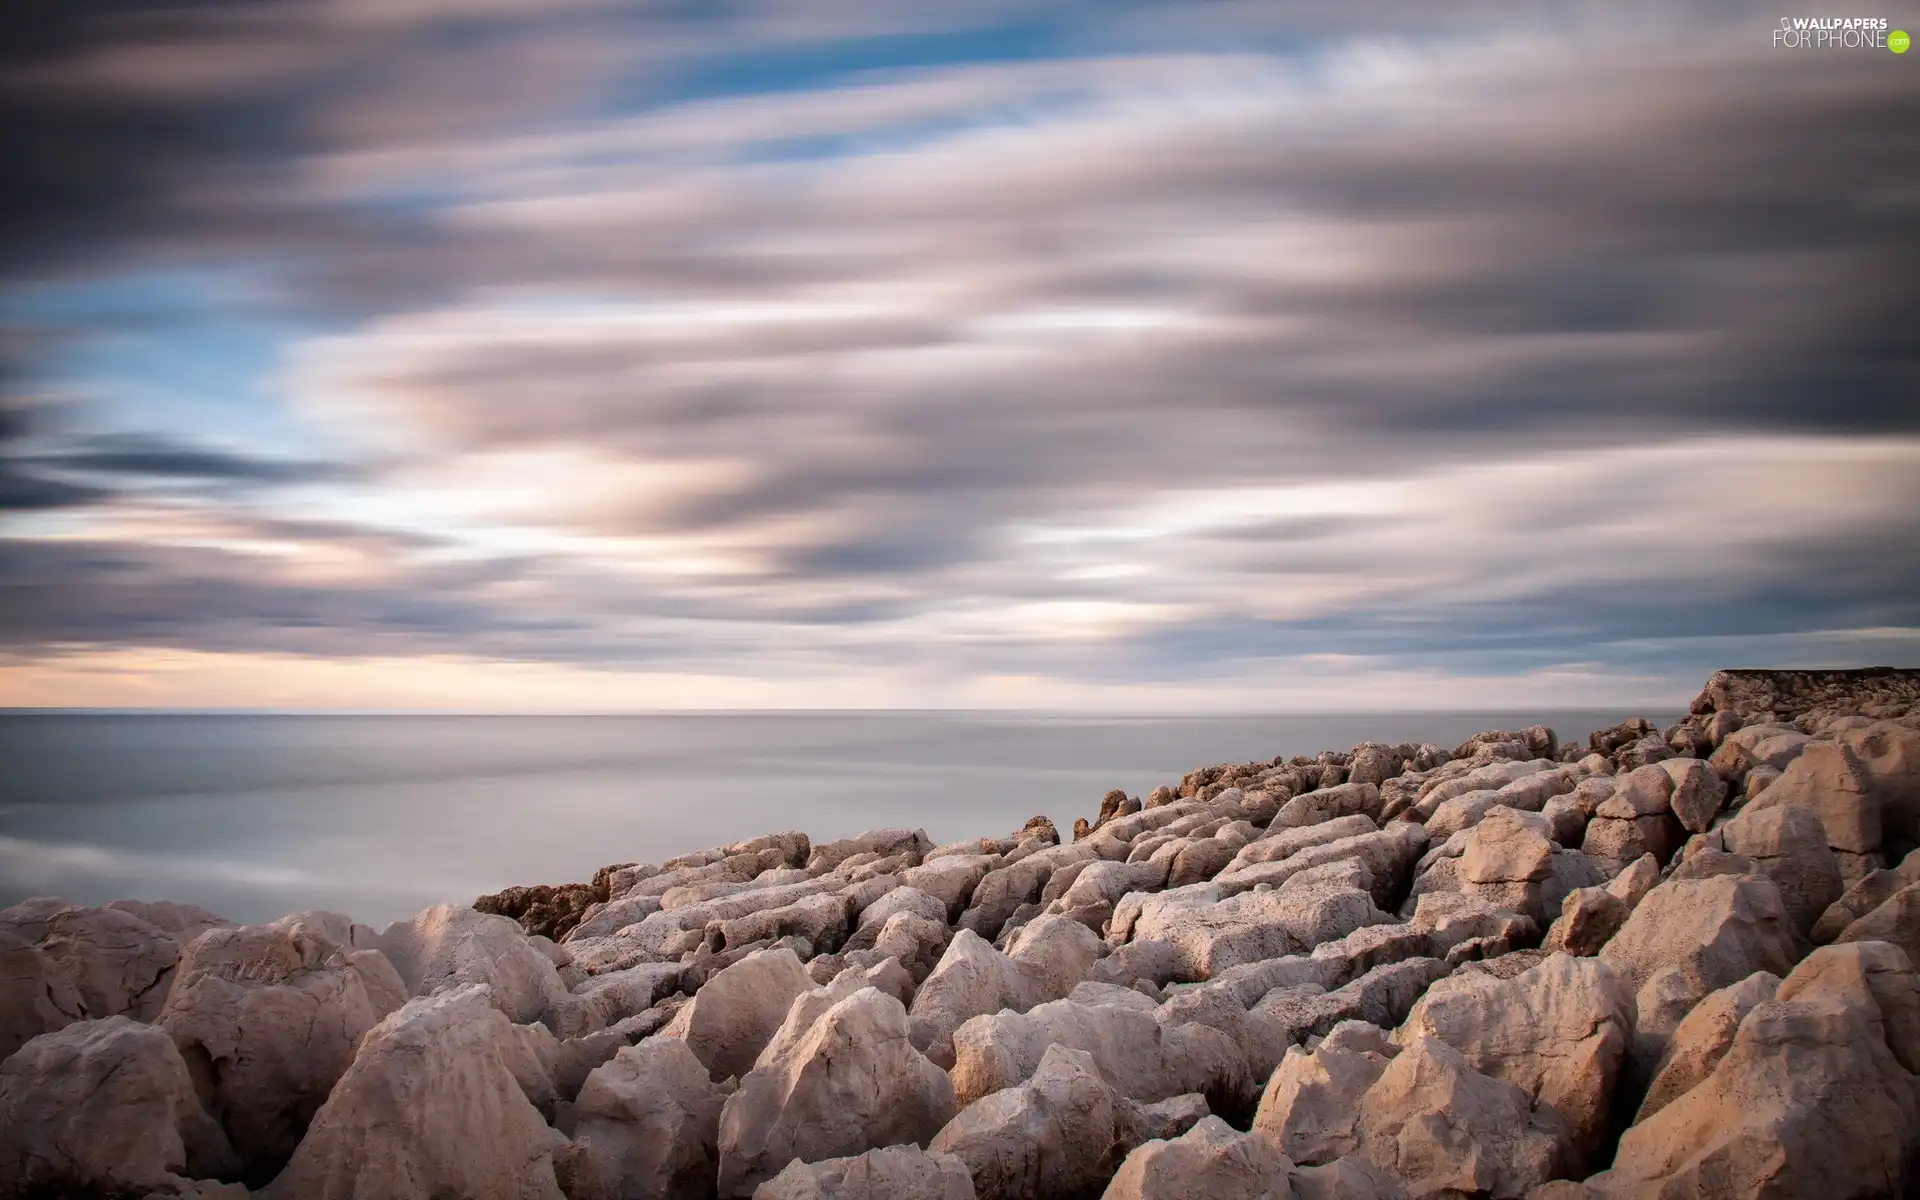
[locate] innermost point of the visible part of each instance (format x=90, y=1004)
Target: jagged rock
x=182, y=922
x=1789, y=846
x=449, y=946
x=1311, y=1104
x=904, y=899
x=1702, y=1039
x=1212, y=1160
x=973, y=978
x=600, y=1001
x=1209, y=934
x=852, y=1081
x=1006, y=888
x=1350, y=1178
x=432, y=1106
x=612, y=917
x=1896, y=921
x=1809, y=1100
x=882, y=842
x=115, y=960
x=36, y=997
x=1588, y=917
x=1133, y=1052
x=1638, y=878
x=1558, y=1032
x=950, y=880
x=102, y=1108
x=1863, y=896
x=267, y=1019
x=1698, y=794
x=1443, y=1128
x=1062, y=1133
x=1328, y=804
x=1890, y=754
x=645, y=1124
x=734, y=1014
x=889, y=1173
x=1831, y=783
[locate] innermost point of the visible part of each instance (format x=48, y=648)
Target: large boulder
x=1896, y=921
x=645, y=1124
x=1133, y=1051
x=1890, y=754
x=102, y=1108
x=117, y=961
x=1311, y=1104
x=1212, y=1160
x=1061, y=1134
x=1443, y=1128
x=1715, y=931
x=1208, y=934
x=889, y=1173
x=1703, y=1038
x=734, y=1014
x=1789, y=846
x=1043, y=962
x=1831, y=782
x=1559, y=1032
x=1808, y=1100
x=36, y=997
x=452, y=946
x=850, y=1082
x=433, y=1106
x=267, y=1018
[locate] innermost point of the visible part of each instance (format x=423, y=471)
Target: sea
x=378, y=816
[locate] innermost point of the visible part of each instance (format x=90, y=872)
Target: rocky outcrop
x=1212, y=1159
x=645, y=1124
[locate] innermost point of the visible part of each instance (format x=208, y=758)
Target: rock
x=1588, y=917
x=645, y=1124
x=1328, y=804
x=1063, y=1133
x=1809, y=1100
x=889, y=1173
x=1133, y=1052
x=1830, y=782
x=432, y=1107
x=1311, y=1104
x=1876, y=972
x=267, y=1019
x=1045, y=961
x=1006, y=888
x=1862, y=897
x=1789, y=846
x=600, y=1001
x=1698, y=794
x=904, y=899
x=1350, y=1178
x=1507, y=864
x=1890, y=754
x=1211, y=1160
x=1441, y=1128
x=117, y=962
x=1896, y=921
x=1633, y=883
x=182, y=922
x=102, y=1108
x=950, y=880
x=612, y=917
x=733, y=1016
x=1209, y=935
x=1559, y=1032
x=852, y=1081
x=1286, y=842
x=449, y=946
x=35, y=996
x=1702, y=1039
x=881, y=842
x=1717, y=931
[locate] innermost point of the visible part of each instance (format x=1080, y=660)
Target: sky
x=553, y=355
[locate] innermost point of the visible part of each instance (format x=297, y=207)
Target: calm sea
x=380, y=816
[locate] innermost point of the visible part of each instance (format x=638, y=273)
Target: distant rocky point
x=1671, y=963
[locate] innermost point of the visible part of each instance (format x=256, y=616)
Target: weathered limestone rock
x=1809, y=1100
x=1698, y=793
x=116, y=961
x=1636, y=819
x=1702, y=1039
x=1717, y=931
x=1328, y=804
x=451, y=946
x=1890, y=754
x=601, y=1001
x=1864, y=895
x=102, y=1108
x=1588, y=917
x=850, y=1083
x=1063, y=1133
x=1212, y=1160
x=36, y=997
x=881, y=842
x=1311, y=1104
x=1209, y=935
x=267, y=1019
x=733, y=1016
x=1349, y=1178
x=615, y=915
x=889, y=1173
x=1441, y=1127
x=1789, y=846
x=1633, y=883
x=645, y=1124
x=1006, y=888
x=950, y=880
x=1044, y=963
x=1897, y=921
x=432, y=1107
x=1136, y=1055
x=1830, y=782
x=1558, y=1032
x=182, y=922
x=1286, y=842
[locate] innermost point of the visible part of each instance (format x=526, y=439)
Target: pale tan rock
x=1329, y=804
x=1830, y=782
x=36, y=997
x=267, y=1018
x=850, y=1083
x=1588, y=917
x=1897, y=920
x=1311, y=1104
x=1281, y=844
x=950, y=880
x=102, y=1108
x=1632, y=884
x=734, y=1014
x=1437, y=1125
x=1062, y=1133
x=1134, y=1053
x=1211, y=1161
x=182, y=922
x=1559, y=1032
x=1703, y=1038
x=1349, y=1178
x=889, y=1173
x=1890, y=754
x=1862, y=896
x=1698, y=793
x=431, y=1107
x=1209, y=934
x=646, y=1123
x=452, y=946
x=116, y=961
x=973, y=978
x=1789, y=846
x=1863, y=972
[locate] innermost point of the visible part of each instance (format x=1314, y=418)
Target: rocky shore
x=1671, y=962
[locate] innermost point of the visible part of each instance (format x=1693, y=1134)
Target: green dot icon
x=1898, y=41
